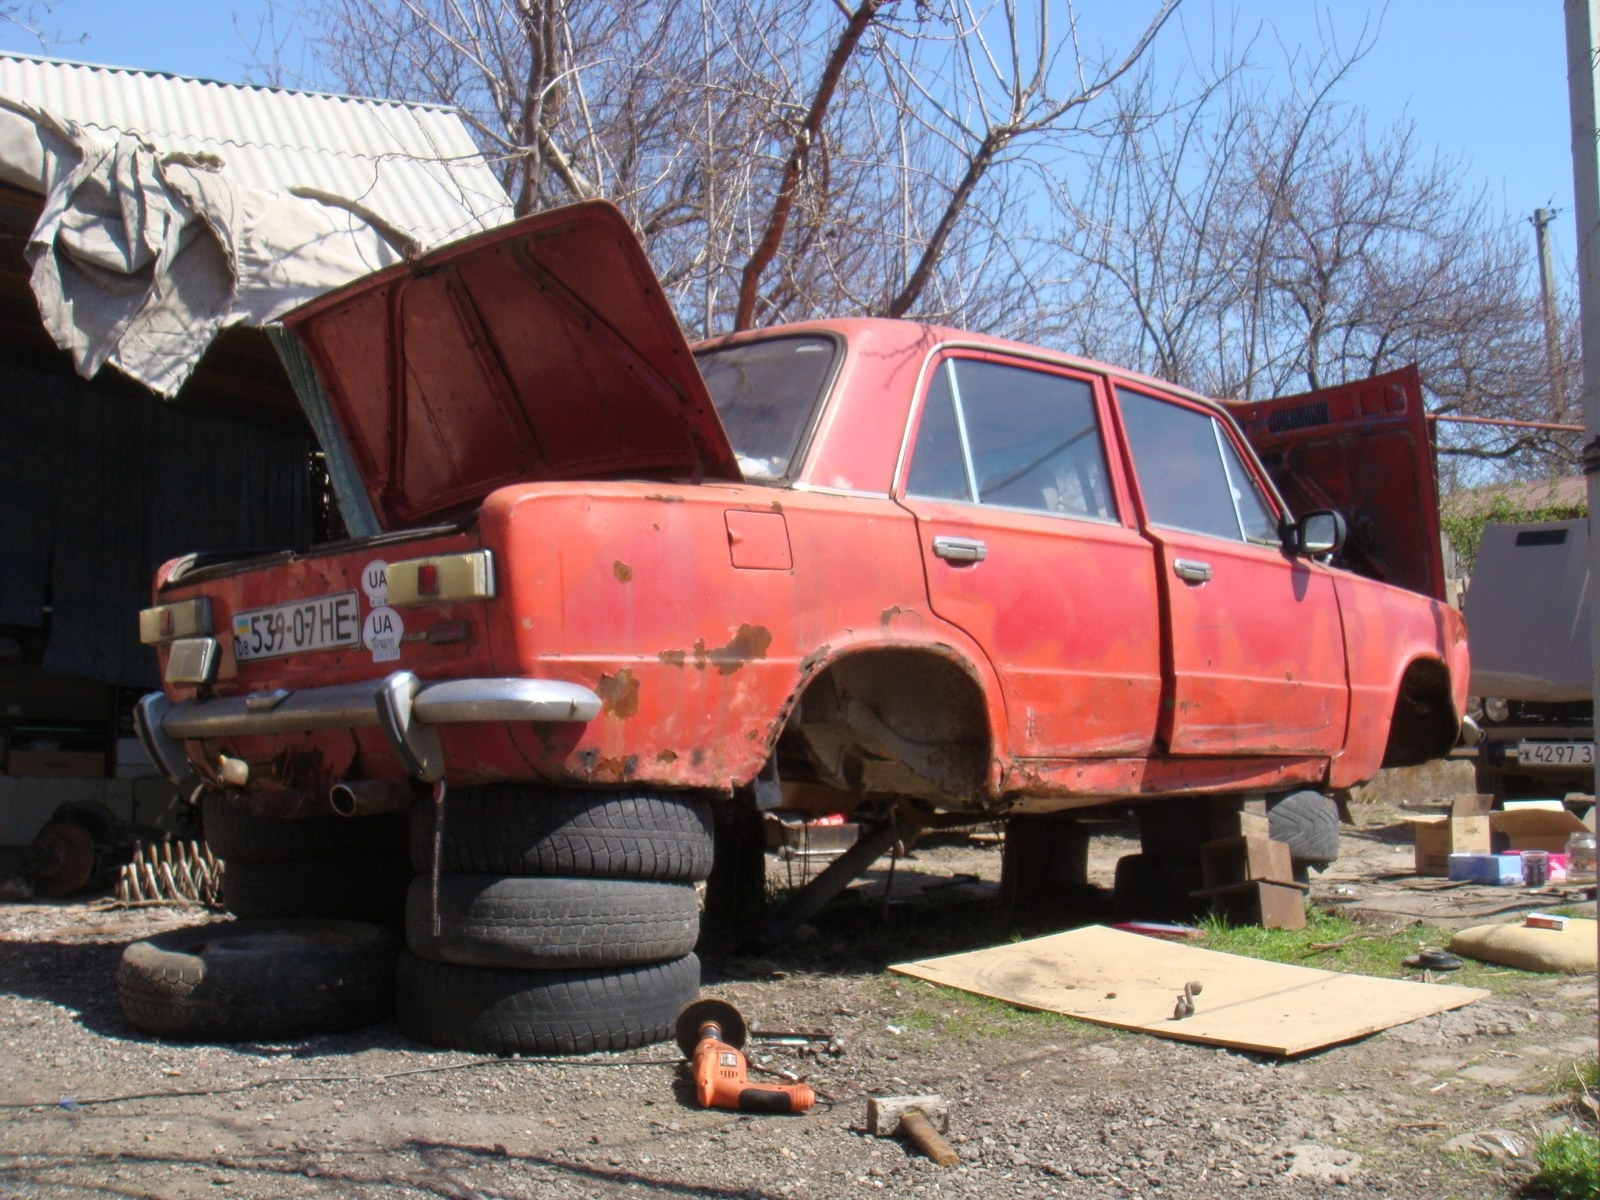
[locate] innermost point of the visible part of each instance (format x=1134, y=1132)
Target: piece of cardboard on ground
x=1462, y=829
x=1133, y=982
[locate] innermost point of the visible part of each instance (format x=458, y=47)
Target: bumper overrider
x=406, y=709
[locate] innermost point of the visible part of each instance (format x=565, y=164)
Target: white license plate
x=1556, y=754
x=320, y=623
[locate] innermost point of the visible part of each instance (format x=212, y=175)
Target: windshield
x=765, y=393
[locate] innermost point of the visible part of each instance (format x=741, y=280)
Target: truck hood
x=540, y=350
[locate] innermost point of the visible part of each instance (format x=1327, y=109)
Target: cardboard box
x=1464, y=829
x=1496, y=870
x=1537, y=825
x=56, y=764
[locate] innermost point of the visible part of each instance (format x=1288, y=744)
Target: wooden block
x=1233, y=860
x=1269, y=905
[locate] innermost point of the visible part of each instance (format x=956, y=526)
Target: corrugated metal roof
x=413, y=164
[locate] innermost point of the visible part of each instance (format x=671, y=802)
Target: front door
x=1256, y=650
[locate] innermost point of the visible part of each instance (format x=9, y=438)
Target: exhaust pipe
x=366, y=797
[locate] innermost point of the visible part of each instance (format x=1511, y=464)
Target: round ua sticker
x=375, y=582
x=381, y=634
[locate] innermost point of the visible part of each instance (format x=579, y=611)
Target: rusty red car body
x=860, y=612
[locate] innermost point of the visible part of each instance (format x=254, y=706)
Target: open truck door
x=1365, y=449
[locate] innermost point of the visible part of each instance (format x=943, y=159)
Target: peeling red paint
x=750, y=643
x=619, y=694
x=622, y=571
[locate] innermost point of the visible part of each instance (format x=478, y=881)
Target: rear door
x=1365, y=449
x=1029, y=546
x=1254, y=641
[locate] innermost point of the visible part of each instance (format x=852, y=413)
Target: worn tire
x=352, y=889
x=519, y=829
x=551, y=922
x=1308, y=823
x=238, y=836
x=259, y=980
x=491, y=1010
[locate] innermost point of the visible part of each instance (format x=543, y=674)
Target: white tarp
x=140, y=259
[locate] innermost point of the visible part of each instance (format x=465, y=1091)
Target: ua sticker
x=381, y=634
x=375, y=582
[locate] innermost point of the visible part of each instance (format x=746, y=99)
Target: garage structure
x=151, y=227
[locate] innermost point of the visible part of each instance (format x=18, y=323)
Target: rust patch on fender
x=747, y=645
x=667, y=756
x=889, y=614
x=622, y=571
x=674, y=658
x=665, y=499
x=619, y=694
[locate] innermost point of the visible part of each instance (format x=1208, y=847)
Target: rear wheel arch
x=916, y=720
x=1424, y=724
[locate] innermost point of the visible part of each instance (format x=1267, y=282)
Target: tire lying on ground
x=549, y=922
x=259, y=980
x=521, y=829
x=507, y=1011
x=235, y=834
x=1308, y=823
x=371, y=888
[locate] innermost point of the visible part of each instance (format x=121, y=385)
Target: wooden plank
x=1133, y=982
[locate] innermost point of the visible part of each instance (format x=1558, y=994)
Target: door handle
x=1191, y=570
x=954, y=549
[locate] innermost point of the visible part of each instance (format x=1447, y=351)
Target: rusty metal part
x=365, y=797
x=62, y=859
x=1185, y=1005
x=922, y=1120
x=172, y=872
x=840, y=873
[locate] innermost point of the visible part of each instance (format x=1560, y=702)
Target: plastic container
x=1581, y=858
x=1535, y=868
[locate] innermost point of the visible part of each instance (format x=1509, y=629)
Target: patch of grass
x=944, y=1014
x=1331, y=942
x=1569, y=1166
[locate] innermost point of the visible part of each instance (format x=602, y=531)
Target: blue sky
x=1483, y=80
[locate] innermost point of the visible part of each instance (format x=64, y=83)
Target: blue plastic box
x=1500, y=870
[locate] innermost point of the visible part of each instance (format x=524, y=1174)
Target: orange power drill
x=711, y=1034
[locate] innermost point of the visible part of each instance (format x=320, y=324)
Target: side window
x=1190, y=475
x=1012, y=438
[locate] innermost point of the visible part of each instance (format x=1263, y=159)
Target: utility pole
x=1552, y=328
x=1581, y=18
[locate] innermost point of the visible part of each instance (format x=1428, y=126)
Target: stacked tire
x=560, y=921
x=345, y=868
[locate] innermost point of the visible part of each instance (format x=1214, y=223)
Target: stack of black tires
x=560, y=921
x=351, y=869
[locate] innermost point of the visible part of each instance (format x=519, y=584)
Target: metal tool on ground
x=1185, y=1006
x=712, y=1034
x=922, y=1120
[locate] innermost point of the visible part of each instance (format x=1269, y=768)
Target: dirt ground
x=1040, y=1105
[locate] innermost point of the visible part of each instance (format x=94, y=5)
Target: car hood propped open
x=540, y=350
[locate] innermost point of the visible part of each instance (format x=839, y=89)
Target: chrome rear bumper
x=405, y=708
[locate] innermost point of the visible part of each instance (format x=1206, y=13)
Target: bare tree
x=1252, y=245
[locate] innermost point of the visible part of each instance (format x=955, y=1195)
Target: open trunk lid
x=1365, y=449
x=542, y=349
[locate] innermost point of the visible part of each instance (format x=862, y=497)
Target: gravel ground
x=1040, y=1105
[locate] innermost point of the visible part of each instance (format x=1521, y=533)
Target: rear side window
x=1011, y=437
x=1190, y=475
x=766, y=394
